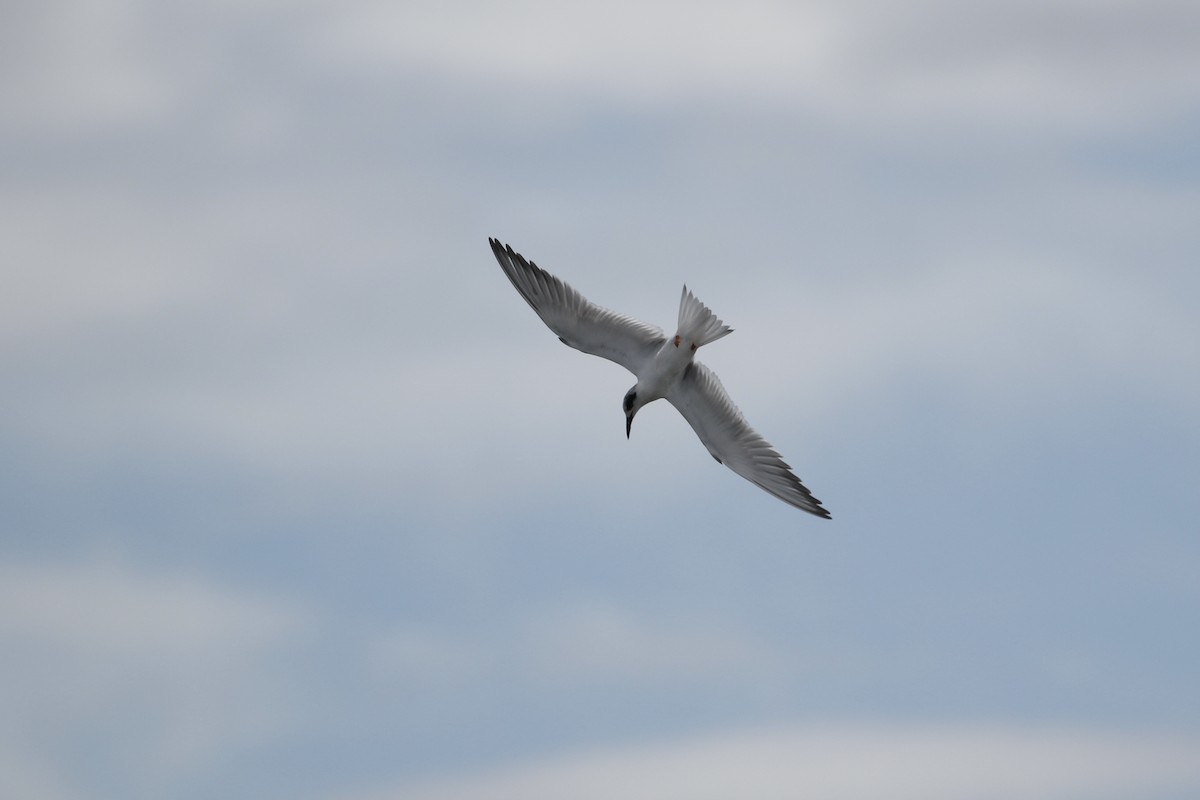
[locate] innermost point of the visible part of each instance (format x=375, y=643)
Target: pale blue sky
x=300, y=499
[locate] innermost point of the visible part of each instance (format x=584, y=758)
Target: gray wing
x=704, y=403
x=579, y=323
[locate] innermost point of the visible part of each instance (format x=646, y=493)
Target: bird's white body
x=665, y=368
x=663, y=371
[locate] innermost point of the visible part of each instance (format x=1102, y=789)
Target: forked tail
x=698, y=324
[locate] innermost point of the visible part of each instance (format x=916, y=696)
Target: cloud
x=79, y=66
x=1001, y=335
x=32, y=773
x=853, y=762
x=104, y=608
x=92, y=259
x=601, y=642
x=77, y=70
x=585, y=643
x=158, y=676
x=589, y=47
x=1014, y=66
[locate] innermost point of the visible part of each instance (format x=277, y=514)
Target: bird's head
x=631, y=404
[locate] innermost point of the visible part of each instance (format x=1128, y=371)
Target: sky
x=299, y=498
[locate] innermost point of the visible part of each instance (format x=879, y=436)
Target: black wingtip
x=816, y=509
x=500, y=249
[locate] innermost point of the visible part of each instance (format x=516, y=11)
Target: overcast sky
x=298, y=498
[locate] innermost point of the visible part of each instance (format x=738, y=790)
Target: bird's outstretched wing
x=705, y=404
x=578, y=322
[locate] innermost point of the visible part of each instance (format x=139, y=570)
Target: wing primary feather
x=576, y=321
x=704, y=403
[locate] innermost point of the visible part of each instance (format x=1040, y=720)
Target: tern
x=665, y=368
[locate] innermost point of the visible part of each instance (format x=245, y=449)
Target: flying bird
x=665, y=368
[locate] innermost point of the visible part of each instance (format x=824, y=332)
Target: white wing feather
x=578, y=322
x=705, y=404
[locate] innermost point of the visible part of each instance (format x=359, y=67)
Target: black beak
x=628, y=424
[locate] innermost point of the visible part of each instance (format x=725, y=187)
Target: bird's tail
x=698, y=324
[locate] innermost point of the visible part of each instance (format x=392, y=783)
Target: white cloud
x=645, y=51
x=82, y=260
x=854, y=762
x=105, y=608
x=582, y=643
x=159, y=676
x=74, y=69
x=599, y=641
x=1018, y=66
x=31, y=773
x=1012, y=338
x=1009, y=65
x=411, y=656
x=80, y=65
